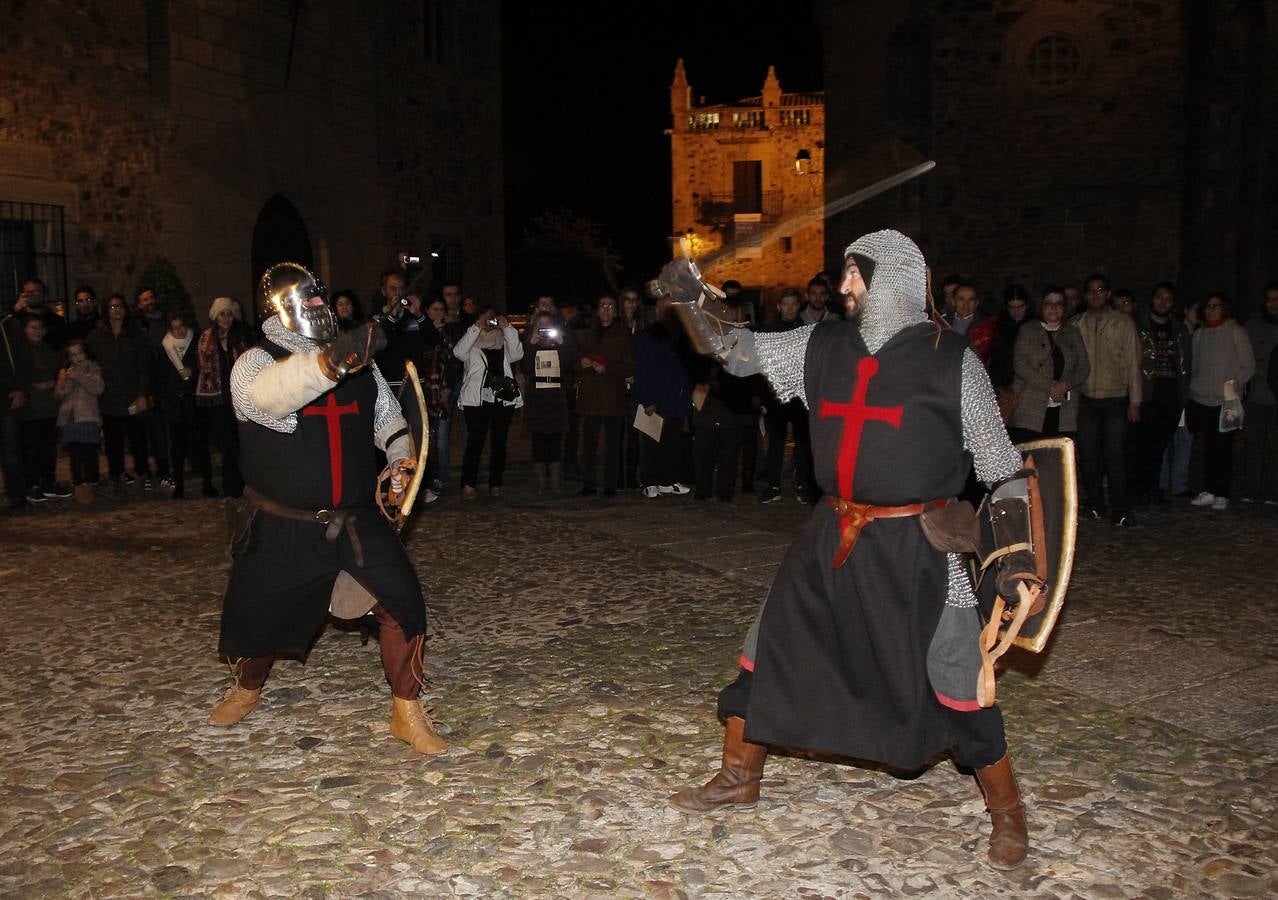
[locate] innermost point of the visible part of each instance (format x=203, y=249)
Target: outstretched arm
x=270, y=392
x=778, y=356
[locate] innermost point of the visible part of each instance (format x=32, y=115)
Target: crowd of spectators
x=611, y=395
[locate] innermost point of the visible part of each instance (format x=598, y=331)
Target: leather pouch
x=952, y=528
x=241, y=512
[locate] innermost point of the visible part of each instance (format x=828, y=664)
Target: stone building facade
x=746, y=180
x=227, y=134
x=1132, y=138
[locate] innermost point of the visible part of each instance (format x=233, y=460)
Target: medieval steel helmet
x=285, y=289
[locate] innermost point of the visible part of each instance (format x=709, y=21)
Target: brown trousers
x=401, y=659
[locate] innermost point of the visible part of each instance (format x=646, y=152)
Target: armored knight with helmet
x=313, y=409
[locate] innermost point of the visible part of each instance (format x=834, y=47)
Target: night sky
x=587, y=97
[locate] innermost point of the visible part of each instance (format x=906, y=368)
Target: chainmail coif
x=897, y=286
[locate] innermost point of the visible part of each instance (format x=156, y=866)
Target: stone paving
x=576, y=648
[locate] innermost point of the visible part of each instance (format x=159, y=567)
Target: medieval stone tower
x=740, y=172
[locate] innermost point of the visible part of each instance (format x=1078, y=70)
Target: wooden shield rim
x=1065, y=565
x=423, y=446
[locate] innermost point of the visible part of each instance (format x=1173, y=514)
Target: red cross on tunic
x=856, y=414
x=333, y=413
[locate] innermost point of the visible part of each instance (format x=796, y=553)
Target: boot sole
x=407, y=739
x=239, y=718
x=714, y=809
x=1006, y=867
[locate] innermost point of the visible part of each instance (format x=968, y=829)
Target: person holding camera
x=488, y=395
x=31, y=303
x=549, y=369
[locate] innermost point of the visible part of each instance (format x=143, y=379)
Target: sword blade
x=821, y=213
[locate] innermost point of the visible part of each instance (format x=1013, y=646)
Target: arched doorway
x=280, y=235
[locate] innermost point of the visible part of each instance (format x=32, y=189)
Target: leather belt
x=855, y=516
x=335, y=519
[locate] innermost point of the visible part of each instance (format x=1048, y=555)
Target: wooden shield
x=1058, y=493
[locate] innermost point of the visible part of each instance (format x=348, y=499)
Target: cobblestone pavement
x=576, y=649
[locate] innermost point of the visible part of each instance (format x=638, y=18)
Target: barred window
x=32, y=245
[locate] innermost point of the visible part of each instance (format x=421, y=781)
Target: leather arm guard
x=1012, y=522
x=352, y=351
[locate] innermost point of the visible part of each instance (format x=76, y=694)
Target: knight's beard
x=854, y=305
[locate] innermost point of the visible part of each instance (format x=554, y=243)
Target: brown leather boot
x=411, y=725
x=1009, y=838
x=237, y=704
x=737, y=781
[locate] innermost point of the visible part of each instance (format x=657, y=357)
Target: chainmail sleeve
x=390, y=429
x=984, y=436
x=781, y=358
x=243, y=375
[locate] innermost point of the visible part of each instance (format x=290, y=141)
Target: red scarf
x=210, y=383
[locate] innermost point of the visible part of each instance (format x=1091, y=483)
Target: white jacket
x=473, y=392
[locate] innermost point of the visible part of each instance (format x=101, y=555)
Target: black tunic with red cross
x=281, y=582
x=841, y=660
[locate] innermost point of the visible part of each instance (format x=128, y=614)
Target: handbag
x=504, y=388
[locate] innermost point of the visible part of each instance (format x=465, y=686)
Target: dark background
x=586, y=98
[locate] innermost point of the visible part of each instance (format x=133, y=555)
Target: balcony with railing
x=749, y=114
x=722, y=208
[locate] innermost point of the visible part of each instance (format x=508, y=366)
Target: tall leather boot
x=1009, y=837
x=402, y=661
x=737, y=781
x=556, y=471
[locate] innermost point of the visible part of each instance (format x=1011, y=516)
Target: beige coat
x=1113, y=352
x=1032, y=361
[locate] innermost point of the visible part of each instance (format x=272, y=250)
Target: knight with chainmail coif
x=868, y=644
x=313, y=409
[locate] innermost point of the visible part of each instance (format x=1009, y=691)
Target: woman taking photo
x=549, y=372
x=488, y=397
x=1222, y=365
x=1050, y=366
